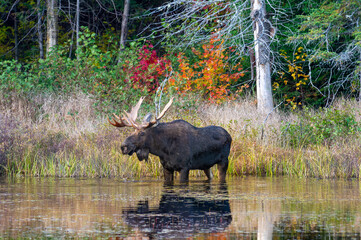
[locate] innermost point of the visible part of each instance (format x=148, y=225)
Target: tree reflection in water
x=249, y=208
x=182, y=212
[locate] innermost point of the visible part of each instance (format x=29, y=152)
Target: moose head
x=137, y=142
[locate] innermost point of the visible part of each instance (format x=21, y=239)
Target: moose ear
x=143, y=154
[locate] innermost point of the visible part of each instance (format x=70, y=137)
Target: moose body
x=180, y=146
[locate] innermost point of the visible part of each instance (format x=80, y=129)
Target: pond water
x=243, y=208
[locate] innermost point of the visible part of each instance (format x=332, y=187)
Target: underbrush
x=62, y=136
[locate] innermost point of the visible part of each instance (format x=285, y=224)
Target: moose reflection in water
x=182, y=212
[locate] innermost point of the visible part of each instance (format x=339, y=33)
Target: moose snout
x=127, y=149
x=124, y=149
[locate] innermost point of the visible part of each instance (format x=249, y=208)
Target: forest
x=283, y=77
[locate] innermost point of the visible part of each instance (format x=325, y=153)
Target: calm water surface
x=244, y=208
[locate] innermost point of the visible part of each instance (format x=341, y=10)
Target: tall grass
x=63, y=136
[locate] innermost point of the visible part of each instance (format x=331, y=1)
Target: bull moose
x=179, y=145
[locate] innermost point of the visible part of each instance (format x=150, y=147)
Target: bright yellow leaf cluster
x=294, y=78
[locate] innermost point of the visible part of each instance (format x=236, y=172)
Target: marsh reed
x=63, y=136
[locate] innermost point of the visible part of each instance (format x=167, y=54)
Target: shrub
x=15, y=76
x=149, y=69
x=211, y=75
x=322, y=127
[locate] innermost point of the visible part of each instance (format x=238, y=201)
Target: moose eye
x=141, y=134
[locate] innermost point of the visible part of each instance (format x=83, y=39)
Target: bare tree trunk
x=16, y=35
x=252, y=61
x=263, y=31
x=360, y=77
x=77, y=25
x=40, y=32
x=52, y=24
x=123, y=35
x=71, y=44
x=72, y=31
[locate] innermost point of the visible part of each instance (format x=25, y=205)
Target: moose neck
x=157, y=141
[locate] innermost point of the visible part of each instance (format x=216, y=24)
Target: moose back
x=179, y=145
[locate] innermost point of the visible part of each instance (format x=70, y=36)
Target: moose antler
x=165, y=109
x=130, y=119
x=120, y=122
x=134, y=113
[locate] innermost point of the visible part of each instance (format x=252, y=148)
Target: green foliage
x=94, y=72
x=322, y=127
x=14, y=77
x=331, y=33
x=321, y=21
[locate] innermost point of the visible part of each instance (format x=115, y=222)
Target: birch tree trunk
x=123, y=35
x=40, y=31
x=52, y=24
x=263, y=31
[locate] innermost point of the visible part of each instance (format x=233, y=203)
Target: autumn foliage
x=292, y=84
x=149, y=70
x=211, y=75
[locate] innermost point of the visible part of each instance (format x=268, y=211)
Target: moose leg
x=184, y=175
x=208, y=173
x=222, y=170
x=168, y=175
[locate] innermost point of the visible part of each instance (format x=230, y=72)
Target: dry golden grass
x=63, y=136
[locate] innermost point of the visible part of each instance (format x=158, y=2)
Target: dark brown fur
x=182, y=147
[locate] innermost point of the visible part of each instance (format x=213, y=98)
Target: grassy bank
x=63, y=136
